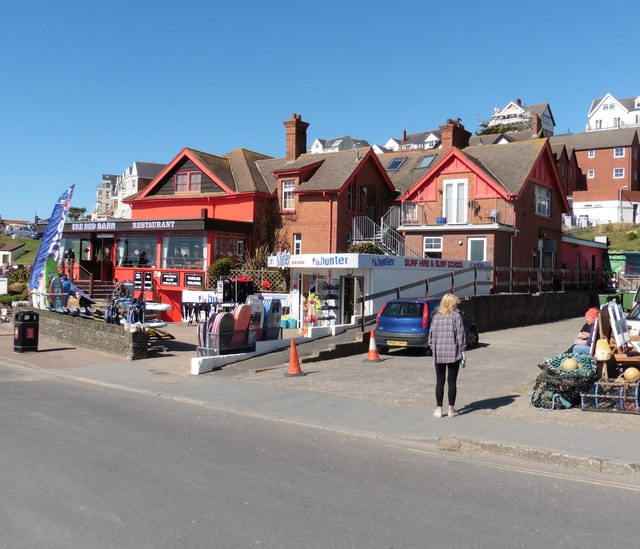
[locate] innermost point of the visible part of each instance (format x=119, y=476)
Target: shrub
x=20, y=288
x=8, y=299
x=21, y=274
x=365, y=248
x=259, y=259
x=219, y=268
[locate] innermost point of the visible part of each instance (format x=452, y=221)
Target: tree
x=75, y=214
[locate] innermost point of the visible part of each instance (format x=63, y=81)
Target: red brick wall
x=324, y=220
x=603, y=164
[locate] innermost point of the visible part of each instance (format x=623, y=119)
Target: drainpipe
x=516, y=231
x=330, y=218
x=511, y=261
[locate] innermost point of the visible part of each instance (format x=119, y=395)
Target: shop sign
x=435, y=263
x=193, y=280
x=325, y=260
x=94, y=226
x=153, y=224
x=148, y=281
x=170, y=279
x=137, y=280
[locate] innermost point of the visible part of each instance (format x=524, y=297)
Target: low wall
x=500, y=311
x=92, y=334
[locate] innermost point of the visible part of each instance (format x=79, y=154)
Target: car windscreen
x=406, y=310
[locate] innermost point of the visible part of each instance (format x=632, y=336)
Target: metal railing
x=421, y=214
x=384, y=235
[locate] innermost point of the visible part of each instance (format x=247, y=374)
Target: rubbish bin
x=628, y=300
x=610, y=296
x=25, y=331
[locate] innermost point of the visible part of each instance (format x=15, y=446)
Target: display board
x=619, y=329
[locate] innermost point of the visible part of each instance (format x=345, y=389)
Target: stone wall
x=500, y=311
x=92, y=334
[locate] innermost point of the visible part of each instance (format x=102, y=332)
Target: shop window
x=228, y=245
x=69, y=245
x=137, y=251
x=184, y=252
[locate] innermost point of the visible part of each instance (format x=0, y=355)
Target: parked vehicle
x=23, y=231
x=405, y=323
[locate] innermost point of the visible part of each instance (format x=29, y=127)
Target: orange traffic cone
x=373, y=355
x=294, y=362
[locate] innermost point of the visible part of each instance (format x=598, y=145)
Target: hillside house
x=609, y=113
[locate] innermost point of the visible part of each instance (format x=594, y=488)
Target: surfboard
x=241, y=316
x=52, y=284
x=257, y=318
x=274, y=318
x=222, y=330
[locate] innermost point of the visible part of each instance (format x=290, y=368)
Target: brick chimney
x=453, y=134
x=536, y=124
x=296, y=131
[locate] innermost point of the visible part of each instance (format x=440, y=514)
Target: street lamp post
x=620, y=200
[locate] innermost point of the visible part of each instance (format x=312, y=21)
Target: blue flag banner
x=50, y=243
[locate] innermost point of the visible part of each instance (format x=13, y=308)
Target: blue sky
x=88, y=88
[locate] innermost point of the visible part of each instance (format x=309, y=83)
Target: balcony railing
x=420, y=214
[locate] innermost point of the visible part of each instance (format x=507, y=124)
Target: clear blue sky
x=87, y=88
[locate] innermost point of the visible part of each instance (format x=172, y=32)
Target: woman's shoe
x=453, y=413
x=437, y=413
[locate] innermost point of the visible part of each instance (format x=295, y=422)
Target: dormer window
x=288, y=200
x=188, y=182
x=396, y=163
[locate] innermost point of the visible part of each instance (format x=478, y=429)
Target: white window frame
x=543, y=201
x=433, y=242
x=618, y=173
x=409, y=212
x=591, y=174
x=591, y=153
x=297, y=244
x=474, y=240
x=288, y=200
x=618, y=152
x=454, y=201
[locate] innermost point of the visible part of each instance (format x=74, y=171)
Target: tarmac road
x=390, y=399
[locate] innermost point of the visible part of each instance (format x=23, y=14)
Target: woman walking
x=448, y=343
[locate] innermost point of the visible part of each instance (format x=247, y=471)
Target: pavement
x=388, y=400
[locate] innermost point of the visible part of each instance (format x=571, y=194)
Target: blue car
x=404, y=323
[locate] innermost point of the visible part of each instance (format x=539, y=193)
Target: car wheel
x=472, y=338
x=428, y=351
x=383, y=350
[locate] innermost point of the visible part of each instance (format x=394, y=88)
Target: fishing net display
x=557, y=387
